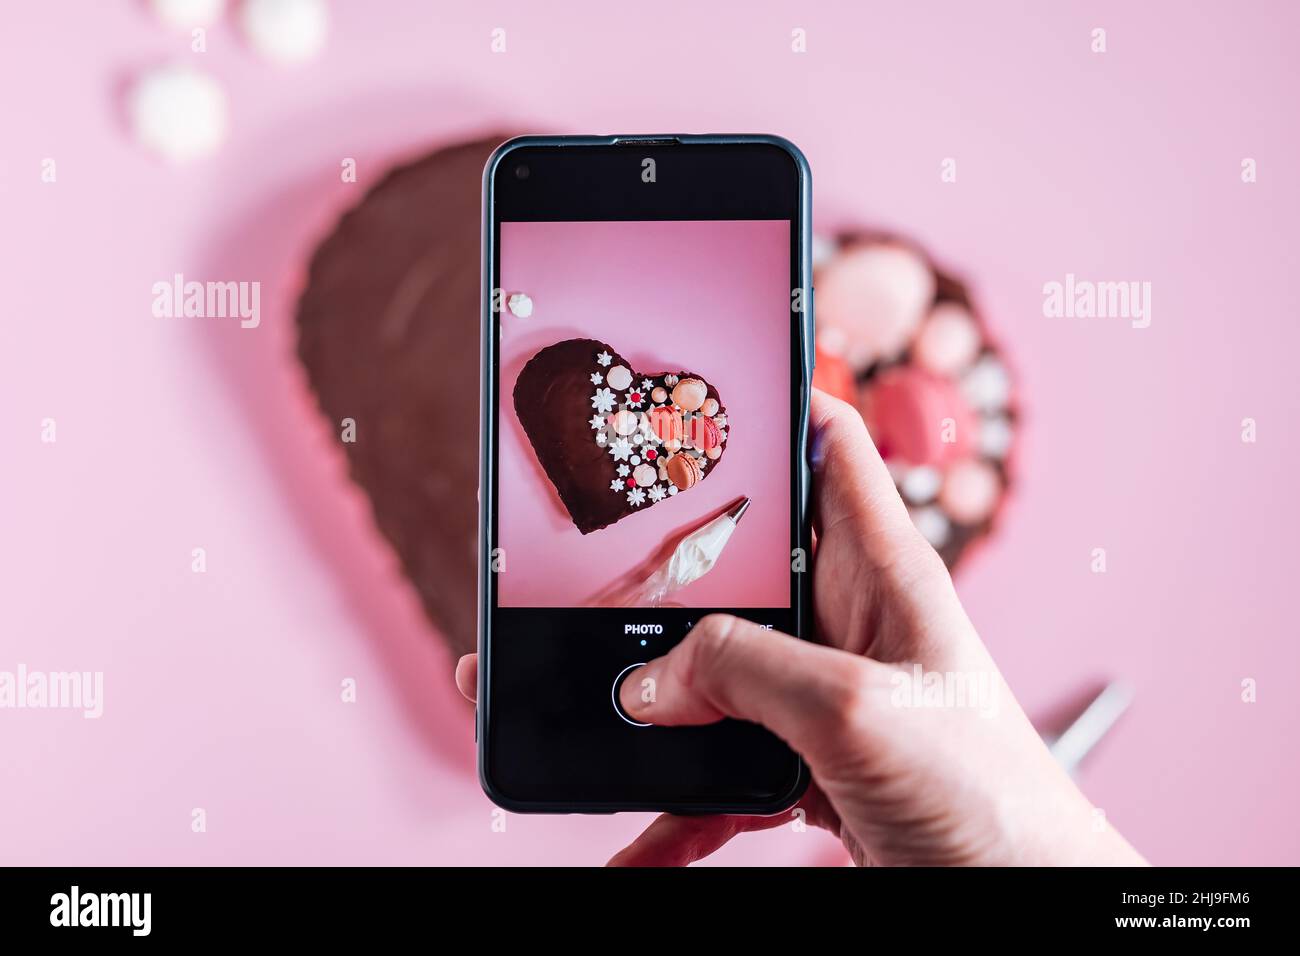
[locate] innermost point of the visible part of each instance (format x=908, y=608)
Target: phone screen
x=646, y=382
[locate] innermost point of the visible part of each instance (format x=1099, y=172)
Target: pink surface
x=724, y=314
x=222, y=690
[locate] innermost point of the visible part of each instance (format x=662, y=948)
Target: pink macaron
x=871, y=299
x=918, y=418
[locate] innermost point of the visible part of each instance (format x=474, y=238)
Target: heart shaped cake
x=614, y=441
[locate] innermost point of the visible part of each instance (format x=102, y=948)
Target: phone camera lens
x=522, y=171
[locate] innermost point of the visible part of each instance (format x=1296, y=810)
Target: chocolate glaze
x=388, y=330
x=552, y=398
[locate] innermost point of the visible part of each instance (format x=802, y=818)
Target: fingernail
x=815, y=450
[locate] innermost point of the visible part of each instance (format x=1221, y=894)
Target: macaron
x=667, y=424
x=970, y=491
x=684, y=471
x=704, y=434
x=833, y=376
x=873, y=297
x=690, y=393
x=917, y=417
x=948, y=341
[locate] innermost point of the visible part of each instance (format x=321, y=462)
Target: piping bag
x=693, y=558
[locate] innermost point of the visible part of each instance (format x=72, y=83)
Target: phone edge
x=487, y=389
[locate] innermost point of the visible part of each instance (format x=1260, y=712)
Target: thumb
x=729, y=667
x=853, y=485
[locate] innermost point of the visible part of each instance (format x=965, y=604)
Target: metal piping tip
x=735, y=513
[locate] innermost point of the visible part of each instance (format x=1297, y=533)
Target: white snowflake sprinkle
x=621, y=449
x=597, y=378
x=624, y=470
x=634, y=399
x=604, y=358
x=646, y=385
x=616, y=485
x=603, y=400
x=597, y=421
x=600, y=438
x=656, y=492
x=636, y=497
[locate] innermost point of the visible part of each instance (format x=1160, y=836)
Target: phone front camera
x=522, y=171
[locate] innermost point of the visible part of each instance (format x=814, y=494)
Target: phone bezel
x=746, y=203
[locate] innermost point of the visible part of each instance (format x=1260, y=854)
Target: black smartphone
x=647, y=358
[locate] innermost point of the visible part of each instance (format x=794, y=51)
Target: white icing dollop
x=178, y=112
x=285, y=31
x=520, y=304
x=187, y=14
x=618, y=378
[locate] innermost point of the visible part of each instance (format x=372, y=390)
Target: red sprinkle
x=652, y=454
x=631, y=482
x=636, y=397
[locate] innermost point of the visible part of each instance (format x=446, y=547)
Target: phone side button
x=613, y=695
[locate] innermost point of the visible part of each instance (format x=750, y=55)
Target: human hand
x=952, y=782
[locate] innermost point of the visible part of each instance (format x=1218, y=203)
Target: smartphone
x=647, y=358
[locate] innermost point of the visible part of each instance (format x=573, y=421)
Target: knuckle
x=853, y=697
x=712, y=639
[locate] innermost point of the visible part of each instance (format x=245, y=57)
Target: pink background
x=222, y=690
x=724, y=313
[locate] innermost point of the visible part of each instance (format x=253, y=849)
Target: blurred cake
x=388, y=331
x=904, y=342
